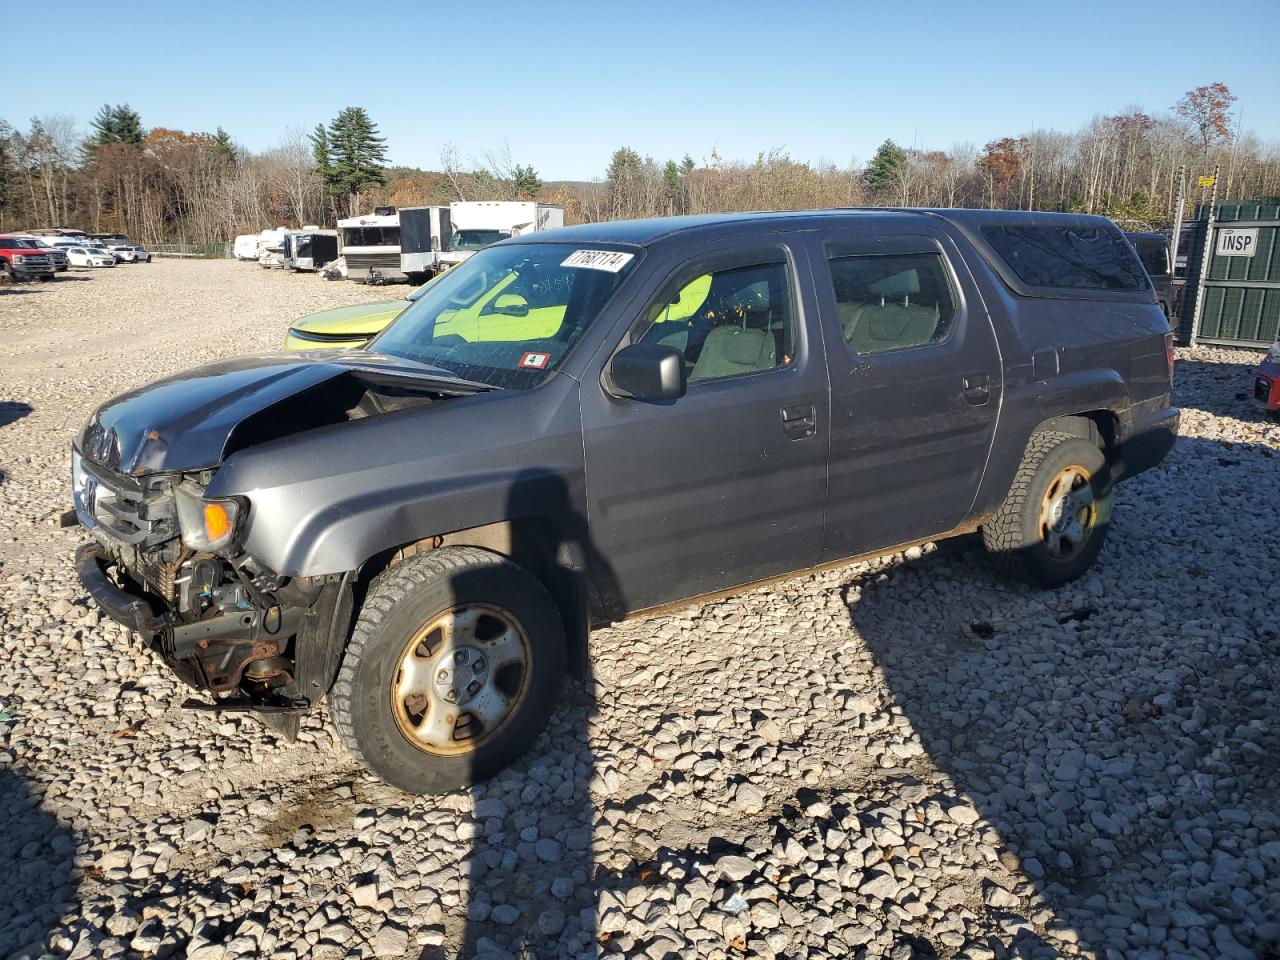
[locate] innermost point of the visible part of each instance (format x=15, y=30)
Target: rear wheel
x=1054, y=520
x=452, y=671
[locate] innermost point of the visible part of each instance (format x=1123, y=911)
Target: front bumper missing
x=124, y=608
x=210, y=654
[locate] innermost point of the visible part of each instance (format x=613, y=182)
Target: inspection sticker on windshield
x=535, y=361
x=609, y=260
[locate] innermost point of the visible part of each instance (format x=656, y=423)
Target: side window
x=727, y=322
x=890, y=301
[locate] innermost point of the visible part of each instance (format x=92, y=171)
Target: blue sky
x=563, y=84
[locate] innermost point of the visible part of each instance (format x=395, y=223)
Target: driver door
x=726, y=485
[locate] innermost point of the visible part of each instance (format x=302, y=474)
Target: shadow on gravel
x=531, y=882
x=1222, y=389
x=1119, y=733
x=11, y=411
x=36, y=853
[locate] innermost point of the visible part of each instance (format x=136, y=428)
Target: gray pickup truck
x=580, y=426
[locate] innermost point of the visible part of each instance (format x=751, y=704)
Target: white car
x=90, y=257
x=140, y=255
x=124, y=252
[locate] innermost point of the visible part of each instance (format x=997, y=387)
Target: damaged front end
x=165, y=563
x=169, y=561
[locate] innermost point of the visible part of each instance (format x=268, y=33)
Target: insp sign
x=1237, y=241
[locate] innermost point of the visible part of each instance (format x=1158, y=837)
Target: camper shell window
x=1082, y=257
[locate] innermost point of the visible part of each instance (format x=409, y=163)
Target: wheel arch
x=537, y=544
x=1100, y=427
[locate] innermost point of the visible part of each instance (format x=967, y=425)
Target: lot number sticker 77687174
x=608, y=260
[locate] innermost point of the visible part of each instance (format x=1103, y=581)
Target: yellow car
x=352, y=326
x=498, y=316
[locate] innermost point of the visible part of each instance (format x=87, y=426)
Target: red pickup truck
x=23, y=260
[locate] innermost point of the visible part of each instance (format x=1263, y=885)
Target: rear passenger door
x=915, y=388
x=727, y=484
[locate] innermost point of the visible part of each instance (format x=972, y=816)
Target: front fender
x=325, y=501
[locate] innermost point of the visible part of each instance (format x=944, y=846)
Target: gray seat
x=890, y=320
x=729, y=351
x=872, y=328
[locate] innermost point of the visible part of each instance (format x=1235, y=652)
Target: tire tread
x=389, y=588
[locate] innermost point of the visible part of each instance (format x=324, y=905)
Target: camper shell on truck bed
x=585, y=424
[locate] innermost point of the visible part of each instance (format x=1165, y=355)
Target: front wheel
x=1054, y=520
x=453, y=670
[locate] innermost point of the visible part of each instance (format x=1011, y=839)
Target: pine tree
x=320, y=150
x=6, y=167
x=884, y=167
x=356, y=156
x=526, y=182
x=223, y=148
x=118, y=124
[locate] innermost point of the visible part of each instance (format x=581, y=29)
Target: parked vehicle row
x=56, y=250
x=575, y=427
x=391, y=245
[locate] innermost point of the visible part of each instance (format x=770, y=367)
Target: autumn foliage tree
x=1206, y=109
x=1001, y=163
x=163, y=184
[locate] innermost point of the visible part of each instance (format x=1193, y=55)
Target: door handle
x=800, y=421
x=977, y=388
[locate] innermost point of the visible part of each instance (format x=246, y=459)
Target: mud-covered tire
x=401, y=603
x=1017, y=537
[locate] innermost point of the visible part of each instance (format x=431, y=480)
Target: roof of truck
x=645, y=232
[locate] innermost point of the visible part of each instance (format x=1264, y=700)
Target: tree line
x=163, y=184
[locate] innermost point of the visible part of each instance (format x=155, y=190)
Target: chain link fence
x=206, y=251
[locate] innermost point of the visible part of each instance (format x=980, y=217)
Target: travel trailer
x=371, y=246
x=245, y=246
x=310, y=248
x=271, y=248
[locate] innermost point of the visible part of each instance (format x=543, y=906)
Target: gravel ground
x=902, y=758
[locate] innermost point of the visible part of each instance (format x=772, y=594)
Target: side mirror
x=511, y=305
x=649, y=371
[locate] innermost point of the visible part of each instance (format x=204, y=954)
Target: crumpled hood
x=183, y=422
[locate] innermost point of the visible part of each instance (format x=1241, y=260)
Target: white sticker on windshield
x=608, y=260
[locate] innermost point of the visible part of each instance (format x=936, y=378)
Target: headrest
x=752, y=299
x=897, y=285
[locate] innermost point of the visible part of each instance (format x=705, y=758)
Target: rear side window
x=888, y=302
x=1083, y=257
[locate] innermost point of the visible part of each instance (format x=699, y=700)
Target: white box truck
x=371, y=246
x=424, y=233
x=479, y=223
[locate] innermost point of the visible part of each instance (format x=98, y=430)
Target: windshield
x=476, y=239
x=508, y=315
